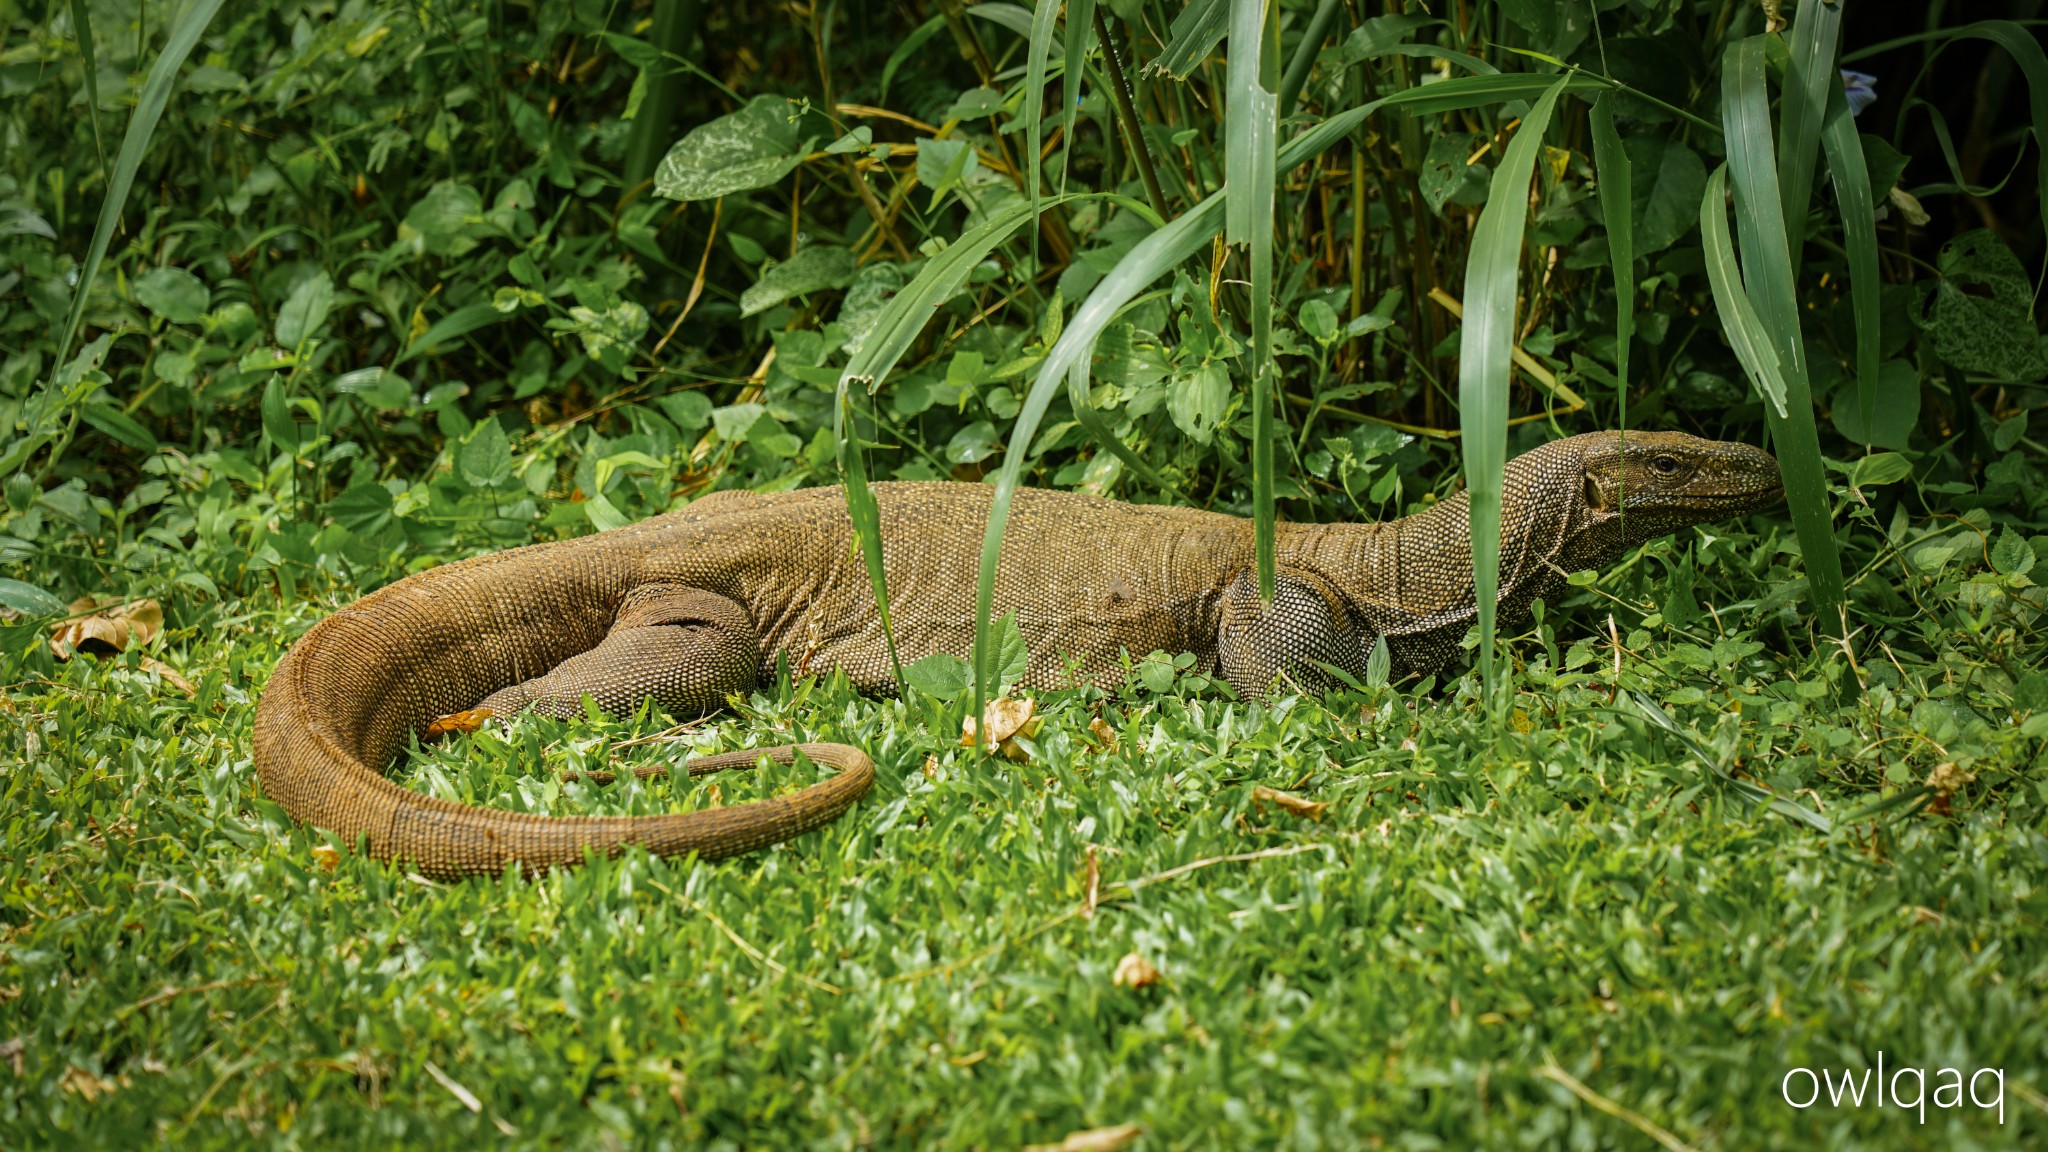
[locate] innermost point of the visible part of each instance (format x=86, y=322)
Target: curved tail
x=351, y=692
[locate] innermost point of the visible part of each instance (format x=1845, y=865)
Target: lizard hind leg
x=683, y=647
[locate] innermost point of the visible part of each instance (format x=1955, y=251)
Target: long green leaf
x=1809, y=76
x=895, y=330
x=1305, y=54
x=1080, y=26
x=1767, y=275
x=81, y=25
x=149, y=108
x=1859, y=235
x=1251, y=125
x=1151, y=258
x=1492, y=276
x=1617, y=195
x=460, y=322
x=1746, y=332
x=1043, y=19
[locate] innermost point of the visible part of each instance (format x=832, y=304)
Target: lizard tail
x=343, y=703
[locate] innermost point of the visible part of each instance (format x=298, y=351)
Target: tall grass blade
x=149, y=109
x=1043, y=19
x=1080, y=26
x=1492, y=274
x=81, y=25
x=1767, y=275
x=1617, y=197
x=1151, y=258
x=1251, y=125
x=1305, y=55
x=1746, y=332
x=895, y=330
x=1859, y=235
x=1802, y=108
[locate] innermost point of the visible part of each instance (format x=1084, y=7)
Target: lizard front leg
x=1306, y=625
x=684, y=647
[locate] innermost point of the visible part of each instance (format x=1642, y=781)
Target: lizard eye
x=1665, y=466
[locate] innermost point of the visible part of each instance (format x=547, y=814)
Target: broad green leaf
x=279, y=427
x=815, y=269
x=485, y=459
x=461, y=322
x=2012, y=555
x=735, y=421
x=119, y=425
x=1979, y=314
x=1011, y=655
x=1667, y=197
x=305, y=311
x=446, y=220
x=1196, y=400
x=1492, y=280
x=1894, y=408
x=365, y=509
x=751, y=148
x=1880, y=468
x=940, y=674
x=29, y=600
x=174, y=294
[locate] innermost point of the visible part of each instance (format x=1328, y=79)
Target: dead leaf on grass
x=106, y=627
x=111, y=626
x=1263, y=797
x=91, y=1086
x=1134, y=971
x=1103, y=733
x=454, y=722
x=11, y=1051
x=1093, y=1140
x=327, y=857
x=1005, y=719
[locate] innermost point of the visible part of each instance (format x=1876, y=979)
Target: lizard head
x=1649, y=484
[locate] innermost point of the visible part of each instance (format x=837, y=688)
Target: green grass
x=1474, y=906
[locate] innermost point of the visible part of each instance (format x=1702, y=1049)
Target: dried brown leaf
x=1093, y=1140
x=1263, y=797
x=454, y=722
x=1134, y=971
x=1005, y=719
x=90, y=1085
x=1947, y=779
x=106, y=627
x=169, y=675
x=11, y=1051
x=1103, y=733
x=327, y=857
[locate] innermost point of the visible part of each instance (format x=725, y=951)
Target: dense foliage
x=395, y=284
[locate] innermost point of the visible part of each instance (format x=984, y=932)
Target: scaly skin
x=688, y=607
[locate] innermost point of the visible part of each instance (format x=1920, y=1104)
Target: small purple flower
x=1861, y=88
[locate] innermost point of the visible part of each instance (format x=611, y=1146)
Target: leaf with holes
x=1980, y=313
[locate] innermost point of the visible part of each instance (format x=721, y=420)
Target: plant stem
x=1127, y=115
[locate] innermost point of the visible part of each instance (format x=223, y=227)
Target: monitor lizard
x=688, y=607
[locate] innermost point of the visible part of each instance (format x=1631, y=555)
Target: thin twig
x=1647, y=1127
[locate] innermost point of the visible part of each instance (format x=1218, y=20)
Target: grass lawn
x=1568, y=931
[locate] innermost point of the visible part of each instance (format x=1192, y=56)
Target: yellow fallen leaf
x=1103, y=733
x=454, y=722
x=1005, y=719
x=1134, y=971
x=1263, y=796
x=327, y=857
x=1093, y=1140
